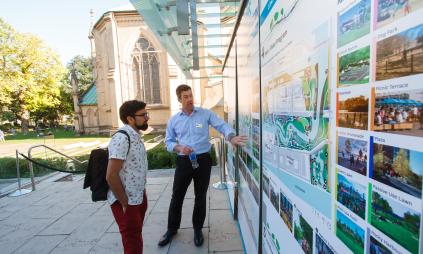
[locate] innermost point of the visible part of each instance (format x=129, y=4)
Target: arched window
x=146, y=71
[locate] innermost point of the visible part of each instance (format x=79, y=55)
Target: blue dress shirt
x=193, y=130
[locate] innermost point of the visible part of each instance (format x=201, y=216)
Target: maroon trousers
x=130, y=225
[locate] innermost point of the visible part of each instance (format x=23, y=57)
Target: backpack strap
x=127, y=135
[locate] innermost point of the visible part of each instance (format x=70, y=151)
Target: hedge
x=158, y=158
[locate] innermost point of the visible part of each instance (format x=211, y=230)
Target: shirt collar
x=129, y=129
x=183, y=113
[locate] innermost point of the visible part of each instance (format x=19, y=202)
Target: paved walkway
x=59, y=217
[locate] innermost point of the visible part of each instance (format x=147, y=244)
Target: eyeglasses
x=145, y=115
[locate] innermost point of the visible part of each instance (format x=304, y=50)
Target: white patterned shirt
x=134, y=170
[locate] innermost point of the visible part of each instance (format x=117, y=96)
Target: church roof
x=89, y=97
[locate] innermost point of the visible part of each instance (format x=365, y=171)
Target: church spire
x=91, y=35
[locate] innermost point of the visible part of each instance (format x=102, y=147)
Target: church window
x=146, y=71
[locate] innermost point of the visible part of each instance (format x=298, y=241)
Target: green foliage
x=357, y=57
x=159, y=157
x=30, y=76
x=8, y=166
x=83, y=70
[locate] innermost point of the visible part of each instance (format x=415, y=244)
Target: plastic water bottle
x=193, y=159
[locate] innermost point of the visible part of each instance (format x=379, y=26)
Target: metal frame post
x=20, y=191
x=221, y=185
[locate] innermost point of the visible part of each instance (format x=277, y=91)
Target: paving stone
x=224, y=234
x=40, y=244
x=183, y=242
x=24, y=230
x=109, y=243
x=62, y=215
x=67, y=223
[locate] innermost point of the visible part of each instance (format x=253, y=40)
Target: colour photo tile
x=352, y=195
x=321, y=246
x=399, y=168
x=399, y=112
x=354, y=68
x=400, y=55
x=354, y=23
x=286, y=210
x=274, y=197
x=349, y=233
x=389, y=11
x=353, y=112
x=377, y=247
x=303, y=232
x=352, y=154
x=266, y=185
x=397, y=221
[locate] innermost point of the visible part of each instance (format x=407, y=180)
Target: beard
x=142, y=127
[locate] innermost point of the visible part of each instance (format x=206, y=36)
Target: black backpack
x=95, y=176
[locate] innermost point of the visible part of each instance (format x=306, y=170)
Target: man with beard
x=126, y=175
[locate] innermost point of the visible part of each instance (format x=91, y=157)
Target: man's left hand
x=239, y=140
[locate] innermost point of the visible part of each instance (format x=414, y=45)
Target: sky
x=62, y=25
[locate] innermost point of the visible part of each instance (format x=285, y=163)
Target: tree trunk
x=25, y=122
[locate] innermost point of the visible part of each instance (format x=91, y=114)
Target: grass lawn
x=404, y=237
x=352, y=245
x=353, y=35
x=354, y=82
x=59, y=137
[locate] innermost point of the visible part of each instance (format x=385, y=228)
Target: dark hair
x=129, y=108
x=180, y=89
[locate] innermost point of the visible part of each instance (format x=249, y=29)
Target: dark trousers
x=184, y=173
x=130, y=225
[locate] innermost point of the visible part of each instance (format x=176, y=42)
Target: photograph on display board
x=389, y=11
x=319, y=168
x=400, y=55
x=399, y=168
x=286, y=210
x=354, y=23
x=377, y=247
x=397, y=221
x=274, y=196
x=349, y=233
x=354, y=68
x=321, y=246
x=266, y=184
x=352, y=195
x=352, y=154
x=353, y=112
x=254, y=188
x=399, y=112
x=303, y=232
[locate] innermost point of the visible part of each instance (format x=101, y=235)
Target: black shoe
x=166, y=238
x=198, y=237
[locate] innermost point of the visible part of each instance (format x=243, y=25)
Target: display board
x=229, y=92
x=249, y=125
x=342, y=115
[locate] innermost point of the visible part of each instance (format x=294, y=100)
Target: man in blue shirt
x=188, y=133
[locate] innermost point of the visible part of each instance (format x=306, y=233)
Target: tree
x=84, y=72
x=401, y=163
x=30, y=75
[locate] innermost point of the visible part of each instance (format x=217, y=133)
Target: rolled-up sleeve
x=170, y=139
x=118, y=147
x=220, y=125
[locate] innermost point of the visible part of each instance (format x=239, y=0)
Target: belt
x=201, y=155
